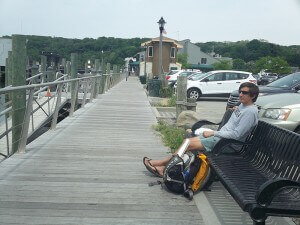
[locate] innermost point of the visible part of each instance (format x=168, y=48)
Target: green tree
x=182, y=59
x=223, y=65
x=239, y=64
x=272, y=64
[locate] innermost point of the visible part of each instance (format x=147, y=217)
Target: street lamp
x=102, y=57
x=145, y=73
x=161, y=24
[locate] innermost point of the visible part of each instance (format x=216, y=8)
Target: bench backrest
x=275, y=151
x=225, y=118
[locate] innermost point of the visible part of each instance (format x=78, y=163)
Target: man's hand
x=207, y=134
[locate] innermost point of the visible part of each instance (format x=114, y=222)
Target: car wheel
x=297, y=130
x=194, y=93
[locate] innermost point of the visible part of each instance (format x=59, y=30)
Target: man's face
x=245, y=97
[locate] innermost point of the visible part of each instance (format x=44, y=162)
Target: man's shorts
x=208, y=143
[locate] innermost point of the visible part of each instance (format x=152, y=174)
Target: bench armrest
x=220, y=146
x=270, y=188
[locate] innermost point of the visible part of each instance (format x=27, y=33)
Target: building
x=150, y=59
x=5, y=47
x=198, y=59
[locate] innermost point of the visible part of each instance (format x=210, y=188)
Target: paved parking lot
x=211, y=109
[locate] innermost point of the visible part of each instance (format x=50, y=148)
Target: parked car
x=282, y=110
x=217, y=83
x=171, y=77
x=289, y=83
x=264, y=80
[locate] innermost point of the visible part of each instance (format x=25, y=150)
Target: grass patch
x=166, y=102
x=172, y=101
x=172, y=136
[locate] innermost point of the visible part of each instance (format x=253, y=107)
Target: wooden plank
x=90, y=171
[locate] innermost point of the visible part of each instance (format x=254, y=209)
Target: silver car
x=282, y=110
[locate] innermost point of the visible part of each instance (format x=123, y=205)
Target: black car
x=289, y=83
x=266, y=79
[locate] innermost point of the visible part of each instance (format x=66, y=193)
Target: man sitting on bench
x=239, y=126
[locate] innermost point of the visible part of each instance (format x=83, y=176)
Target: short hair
x=253, y=89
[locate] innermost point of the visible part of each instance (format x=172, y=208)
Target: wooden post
x=68, y=71
x=115, y=75
x=43, y=68
x=9, y=69
x=74, y=72
x=181, y=95
x=63, y=63
x=102, y=78
x=18, y=65
x=97, y=84
x=57, y=105
x=107, y=77
x=191, y=104
x=68, y=68
x=34, y=71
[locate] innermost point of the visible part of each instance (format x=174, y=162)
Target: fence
x=87, y=84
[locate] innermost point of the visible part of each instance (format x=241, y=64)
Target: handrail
x=32, y=86
x=96, y=84
x=35, y=76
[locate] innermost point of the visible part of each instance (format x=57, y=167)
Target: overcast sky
x=276, y=21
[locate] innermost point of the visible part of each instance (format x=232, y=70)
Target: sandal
x=149, y=167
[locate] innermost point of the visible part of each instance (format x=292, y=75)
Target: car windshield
x=286, y=82
x=199, y=76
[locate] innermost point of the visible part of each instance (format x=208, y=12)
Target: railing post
x=85, y=87
x=74, y=75
x=97, y=81
x=57, y=105
x=43, y=69
x=25, y=126
x=74, y=98
x=93, y=83
x=107, y=77
x=181, y=95
x=8, y=77
x=18, y=65
x=115, y=68
x=68, y=72
x=63, y=63
x=7, y=138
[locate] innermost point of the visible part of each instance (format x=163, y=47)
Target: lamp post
x=145, y=73
x=161, y=24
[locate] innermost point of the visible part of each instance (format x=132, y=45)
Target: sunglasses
x=244, y=92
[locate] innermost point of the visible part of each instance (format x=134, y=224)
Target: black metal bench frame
x=264, y=175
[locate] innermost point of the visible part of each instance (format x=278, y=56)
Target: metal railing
x=86, y=84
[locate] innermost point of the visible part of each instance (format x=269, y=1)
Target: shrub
x=172, y=136
x=172, y=101
x=165, y=92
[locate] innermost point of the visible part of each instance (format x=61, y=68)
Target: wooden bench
x=264, y=175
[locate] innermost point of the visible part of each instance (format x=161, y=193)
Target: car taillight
x=253, y=81
x=168, y=77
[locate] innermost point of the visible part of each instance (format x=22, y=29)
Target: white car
x=282, y=110
x=171, y=77
x=217, y=83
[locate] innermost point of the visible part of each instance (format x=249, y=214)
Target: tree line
x=255, y=55
x=110, y=49
x=246, y=55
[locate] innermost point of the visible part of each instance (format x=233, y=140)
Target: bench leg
x=259, y=223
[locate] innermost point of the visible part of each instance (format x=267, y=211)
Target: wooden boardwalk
x=89, y=170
